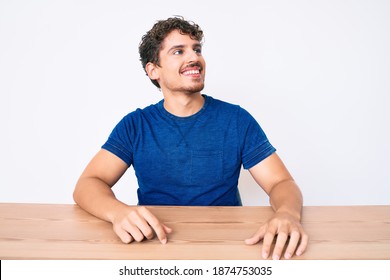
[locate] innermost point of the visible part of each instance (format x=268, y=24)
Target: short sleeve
x=120, y=141
x=255, y=145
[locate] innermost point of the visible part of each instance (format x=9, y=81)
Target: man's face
x=182, y=66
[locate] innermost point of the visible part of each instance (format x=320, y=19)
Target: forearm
x=286, y=197
x=97, y=198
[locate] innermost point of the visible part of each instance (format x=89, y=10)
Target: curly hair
x=151, y=42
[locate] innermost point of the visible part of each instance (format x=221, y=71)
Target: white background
x=315, y=74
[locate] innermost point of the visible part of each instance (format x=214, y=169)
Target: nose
x=192, y=56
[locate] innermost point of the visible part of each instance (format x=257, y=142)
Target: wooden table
x=44, y=231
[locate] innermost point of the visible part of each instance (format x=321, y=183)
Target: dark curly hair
x=150, y=45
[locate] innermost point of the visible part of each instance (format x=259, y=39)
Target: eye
x=198, y=50
x=178, y=52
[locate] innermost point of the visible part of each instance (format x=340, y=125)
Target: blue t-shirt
x=193, y=160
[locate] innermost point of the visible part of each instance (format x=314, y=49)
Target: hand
x=139, y=223
x=283, y=226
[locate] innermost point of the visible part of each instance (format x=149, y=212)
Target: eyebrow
x=198, y=45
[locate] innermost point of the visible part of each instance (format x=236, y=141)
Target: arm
x=286, y=200
x=93, y=193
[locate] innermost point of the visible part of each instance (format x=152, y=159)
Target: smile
x=191, y=72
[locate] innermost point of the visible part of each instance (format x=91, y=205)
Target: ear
x=152, y=71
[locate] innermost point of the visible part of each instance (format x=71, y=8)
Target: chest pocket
x=206, y=167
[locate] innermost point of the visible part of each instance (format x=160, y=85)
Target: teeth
x=191, y=72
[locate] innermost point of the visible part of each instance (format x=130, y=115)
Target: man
x=188, y=150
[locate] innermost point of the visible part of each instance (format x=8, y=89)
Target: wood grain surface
x=52, y=231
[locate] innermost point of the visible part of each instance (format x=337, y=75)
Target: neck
x=183, y=105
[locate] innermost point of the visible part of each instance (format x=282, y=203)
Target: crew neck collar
x=167, y=114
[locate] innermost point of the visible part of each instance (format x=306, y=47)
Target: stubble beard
x=194, y=89
x=197, y=87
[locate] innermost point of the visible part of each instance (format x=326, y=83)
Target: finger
x=256, y=237
x=303, y=244
x=142, y=225
x=133, y=231
x=267, y=242
x=156, y=225
x=292, y=244
x=160, y=232
x=280, y=242
x=124, y=236
x=167, y=229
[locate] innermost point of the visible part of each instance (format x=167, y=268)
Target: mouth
x=192, y=70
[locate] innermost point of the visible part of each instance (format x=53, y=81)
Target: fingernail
x=275, y=257
x=299, y=253
x=265, y=255
x=287, y=255
x=164, y=241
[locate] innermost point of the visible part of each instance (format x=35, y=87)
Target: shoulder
x=228, y=108
x=142, y=113
x=220, y=103
x=222, y=106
